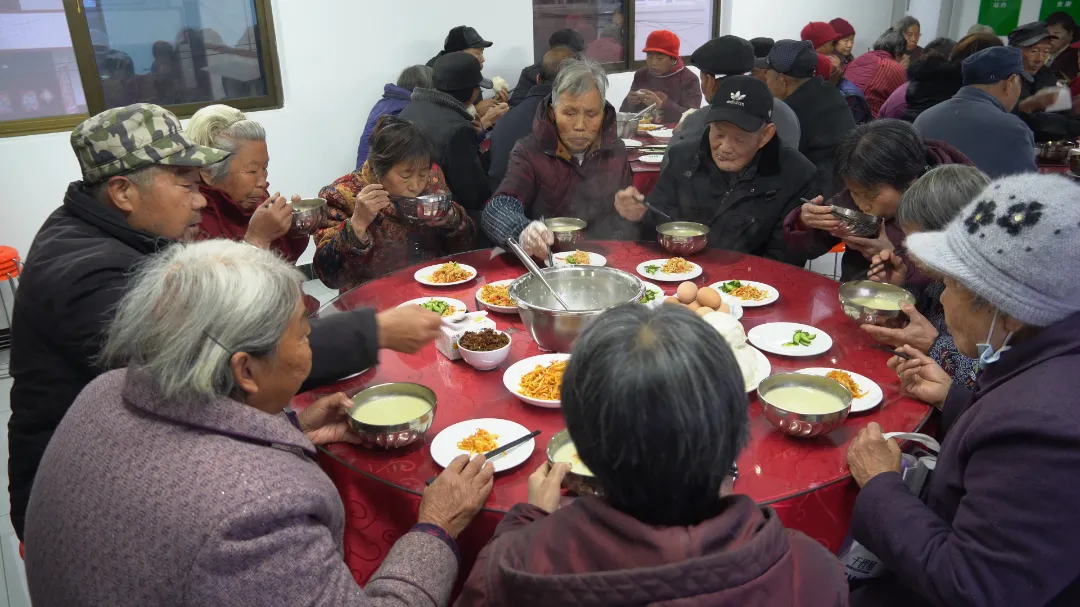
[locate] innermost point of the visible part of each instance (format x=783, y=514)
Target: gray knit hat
x=1017, y=245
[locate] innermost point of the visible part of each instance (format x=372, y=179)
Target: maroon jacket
x=588, y=553
x=680, y=90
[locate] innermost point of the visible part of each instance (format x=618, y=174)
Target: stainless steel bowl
x=398, y=435
x=568, y=232
x=865, y=315
x=802, y=424
x=589, y=291
x=1074, y=161
x=580, y=484
x=680, y=245
x=861, y=224
x=1053, y=152
x=423, y=209
x=627, y=124
x=308, y=216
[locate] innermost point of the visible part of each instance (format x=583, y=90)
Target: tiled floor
x=14, y=592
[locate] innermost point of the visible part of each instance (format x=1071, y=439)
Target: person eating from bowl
x=846, y=43
x=877, y=162
x=995, y=522
x=572, y=165
x=664, y=81
x=370, y=234
x=237, y=191
x=738, y=178
x=188, y=438
x=929, y=205
x=656, y=407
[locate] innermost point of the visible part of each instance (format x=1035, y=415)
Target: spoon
x=656, y=210
x=454, y=319
x=524, y=257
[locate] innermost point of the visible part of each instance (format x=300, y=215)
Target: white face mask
x=987, y=354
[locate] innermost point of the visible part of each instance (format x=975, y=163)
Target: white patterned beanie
x=1017, y=245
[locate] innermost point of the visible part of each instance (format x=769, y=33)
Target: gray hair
x=141, y=177
x=417, y=77
x=224, y=128
x=979, y=28
x=192, y=306
x=906, y=23
x=936, y=199
x=579, y=77
x=892, y=42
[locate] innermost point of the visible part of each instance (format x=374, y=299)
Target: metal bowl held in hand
x=861, y=224
x=581, y=484
x=568, y=232
x=1053, y=152
x=804, y=425
x=423, y=209
x=875, y=303
x=589, y=292
x=682, y=238
x=627, y=123
x=397, y=435
x=308, y=216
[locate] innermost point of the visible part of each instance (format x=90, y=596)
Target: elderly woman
x=180, y=480
x=877, y=162
x=846, y=44
x=910, y=28
x=572, y=165
x=368, y=236
x=664, y=81
x=395, y=98
x=928, y=206
x=654, y=402
x=995, y=525
x=238, y=204
x=881, y=71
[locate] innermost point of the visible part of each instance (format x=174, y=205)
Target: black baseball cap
x=795, y=58
x=994, y=65
x=463, y=37
x=743, y=101
x=567, y=38
x=762, y=46
x=457, y=72
x=724, y=56
x=1029, y=34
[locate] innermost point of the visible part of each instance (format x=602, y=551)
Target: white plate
x=459, y=306
x=513, y=375
x=595, y=259
x=659, y=299
x=423, y=276
x=492, y=307
x=761, y=371
x=632, y=143
x=773, y=293
x=874, y=394
x=663, y=133
x=664, y=277
x=771, y=337
x=444, y=447
x=651, y=158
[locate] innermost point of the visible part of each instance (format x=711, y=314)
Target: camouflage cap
x=121, y=140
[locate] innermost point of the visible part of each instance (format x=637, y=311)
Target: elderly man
x=717, y=59
x=739, y=179
x=1040, y=91
x=824, y=116
x=562, y=39
x=977, y=120
x=465, y=39
x=140, y=191
x=572, y=165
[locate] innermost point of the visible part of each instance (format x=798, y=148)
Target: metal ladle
x=531, y=265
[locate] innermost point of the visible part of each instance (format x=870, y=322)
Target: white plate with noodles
x=654, y=295
x=656, y=269
x=747, y=293
x=579, y=258
x=443, y=306
x=445, y=274
x=651, y=158
x=866, y=395
x=500, y=285
x=477, y=436
x=541, y=381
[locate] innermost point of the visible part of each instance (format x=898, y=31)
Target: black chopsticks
x=503, y=449
x=891, y=351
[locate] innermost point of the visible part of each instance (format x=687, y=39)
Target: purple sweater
x=996, y=526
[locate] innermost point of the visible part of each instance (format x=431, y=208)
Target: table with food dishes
x=647, y=149
x=487, y=382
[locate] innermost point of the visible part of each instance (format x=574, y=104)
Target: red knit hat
x=662, y=41
x=819, y=33
x=824, y=66
x=842, y=27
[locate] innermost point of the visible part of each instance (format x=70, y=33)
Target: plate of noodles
x=445, y=275
x=579, y=258
x=495, y=296
x=538, y=380
x=675, y=269
x=477, y=436
x=747, y=293
x=865, y=392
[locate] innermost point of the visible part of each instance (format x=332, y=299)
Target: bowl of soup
x=804, y=405
x=389, y=416
x=875, y=303
x=580, y=479
x=308, y=216
x=568, y=232
x=682, y=238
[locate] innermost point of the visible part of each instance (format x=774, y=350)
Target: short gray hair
x=936, y=198
x=224, y=128
x=417, y=77
x=579, y=77
x=192, y=306
x=141, y=177
x=904, y=24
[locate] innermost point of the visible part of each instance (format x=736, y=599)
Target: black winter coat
x=825, y=118
x=514, y=126
x=526, y=81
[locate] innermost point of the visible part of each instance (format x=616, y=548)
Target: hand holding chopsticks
x=920, y=376
x=503, y=449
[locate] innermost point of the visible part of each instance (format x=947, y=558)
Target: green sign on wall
x=1052, y=6
x=1003, y=15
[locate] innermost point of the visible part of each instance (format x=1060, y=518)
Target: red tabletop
x=791, y=474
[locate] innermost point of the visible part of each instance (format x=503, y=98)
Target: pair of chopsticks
x=891, y=351
x=503, y=449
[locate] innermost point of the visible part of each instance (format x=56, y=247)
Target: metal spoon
x=638, y=115
x=656, y=210
x=524, y=257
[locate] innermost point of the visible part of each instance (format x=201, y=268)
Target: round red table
x=805, y=480
x=646, y=175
